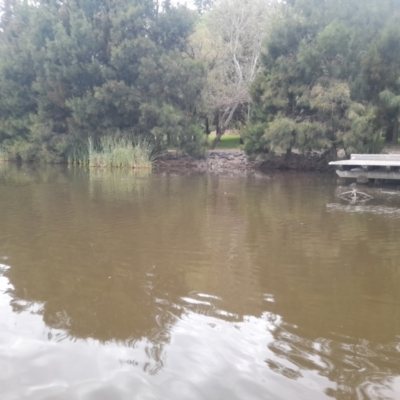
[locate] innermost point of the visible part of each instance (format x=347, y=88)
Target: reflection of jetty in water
x=354, y=196
x=232, y=288
x=380, y=201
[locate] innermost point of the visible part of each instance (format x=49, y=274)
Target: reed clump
x=3, y=155
x=78, y=152
x=110, y=152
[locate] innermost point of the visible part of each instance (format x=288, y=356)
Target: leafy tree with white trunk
x=229, y=40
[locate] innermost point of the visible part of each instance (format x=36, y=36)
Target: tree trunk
x=207, y=127
x=222, y=123
x=389, y=134
x=395, y=135
x=220, y=132
x=288, y=154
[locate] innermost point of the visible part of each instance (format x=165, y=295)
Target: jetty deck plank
x=369, y=175
x=367, y=163
x=380, y=157
x=371, y=166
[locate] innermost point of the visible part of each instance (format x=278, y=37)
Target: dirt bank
x=230, y=160
x=217, y=161
x=299, y=162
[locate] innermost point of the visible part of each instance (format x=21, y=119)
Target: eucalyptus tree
x=229, y=39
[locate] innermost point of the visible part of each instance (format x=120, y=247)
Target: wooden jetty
x=366, y=167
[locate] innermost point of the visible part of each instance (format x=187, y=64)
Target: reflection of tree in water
x=113, y=261
x=122, y=308
x=27, y=174
x=85, y=270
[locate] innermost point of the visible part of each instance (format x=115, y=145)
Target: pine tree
x=315, y=88
x=74, y=69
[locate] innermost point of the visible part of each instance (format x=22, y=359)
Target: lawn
x=227, y=141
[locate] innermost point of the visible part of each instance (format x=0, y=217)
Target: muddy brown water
x=122, y=285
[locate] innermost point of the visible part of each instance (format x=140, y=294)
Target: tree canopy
x=296, y=74
x=330, y=78
x=228, y=39
x=85, y=68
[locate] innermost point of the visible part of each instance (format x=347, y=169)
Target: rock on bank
x=217, y=161
x=231, y=160
x=300, y=162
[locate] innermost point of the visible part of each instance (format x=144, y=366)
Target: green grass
x=3, y=155
x=112, y=153
x=227, y=142
x=121, y=153
x=382, y=140
x=78, y=152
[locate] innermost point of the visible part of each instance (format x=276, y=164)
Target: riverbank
x=236, y=160
x=313, y=161
x=217, y=161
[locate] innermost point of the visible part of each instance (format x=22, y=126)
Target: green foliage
x=228, y=38
x=329, y=80
x=365, y=136
x=77, y=151
x=192, y=141
x=3, y=154
x=281, y=134
x=120, y=153
x=70, y=70
x=255, y=141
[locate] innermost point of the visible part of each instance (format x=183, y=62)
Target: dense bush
x=330, y=78
x=81, y=69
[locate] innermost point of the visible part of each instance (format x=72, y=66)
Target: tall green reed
x=3, y=156
x=78, y=153
x=120, y=153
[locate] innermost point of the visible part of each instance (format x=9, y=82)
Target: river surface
x=123, y=285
